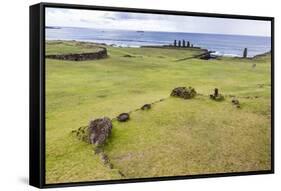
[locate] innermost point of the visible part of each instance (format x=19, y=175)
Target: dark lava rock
x=216, y=96
x=183, y=92
x=99, y=130
x=236, y=102
x=81, y=133
x=123, y=117
x=128, y=56
x=146, y=107
x=104, y=158
x=207, y=55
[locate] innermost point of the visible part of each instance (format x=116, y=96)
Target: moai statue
x=245, y=52
x=216, y=92
x=175, y=42
x=179, y=43
x=183, y=43
x=216, y=96
x=188, y=44
x=191, y=45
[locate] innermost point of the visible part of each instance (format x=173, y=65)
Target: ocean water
x=227, y=45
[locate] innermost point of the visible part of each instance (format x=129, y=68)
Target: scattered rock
x=121, y=174
x=101, y=96
x=236, y=102
x=183, y=92
x=160, y=56
x=207, y=55
x=104, y=158
x=261, y=85
x=216, y=96
x=251, y=97
x=98, y=150
x=123, y=117
x=99, y=130
x=128, y=56
x=146, y=107
x=81, y=133
x=110, y=165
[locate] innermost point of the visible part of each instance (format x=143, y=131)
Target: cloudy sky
x=154, y=22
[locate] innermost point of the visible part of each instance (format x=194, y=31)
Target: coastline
x=223, y=45
x=213, y=53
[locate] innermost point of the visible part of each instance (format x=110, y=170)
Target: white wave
x=217, y=53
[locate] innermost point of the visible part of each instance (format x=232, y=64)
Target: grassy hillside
x=175, y=137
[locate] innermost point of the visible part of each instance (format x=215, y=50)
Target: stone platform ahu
x=98, y=54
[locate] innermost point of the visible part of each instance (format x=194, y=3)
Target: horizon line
x=162, y=31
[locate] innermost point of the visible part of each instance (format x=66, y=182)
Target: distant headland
x=50, y=27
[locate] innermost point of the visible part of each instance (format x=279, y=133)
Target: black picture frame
x=37, y=94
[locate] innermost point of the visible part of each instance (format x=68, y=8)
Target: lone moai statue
x=183, y=43
x=188, y=44
x=245, y=52
x=191, y=45
x=216, y=93
x=179, y=43
x=175, y=42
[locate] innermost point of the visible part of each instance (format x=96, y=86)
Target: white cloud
x=154, y=22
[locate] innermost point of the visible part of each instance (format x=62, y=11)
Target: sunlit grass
x=175, y=137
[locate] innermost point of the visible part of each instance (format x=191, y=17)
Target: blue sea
x=227, y=45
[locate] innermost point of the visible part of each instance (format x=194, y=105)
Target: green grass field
x=175, y=137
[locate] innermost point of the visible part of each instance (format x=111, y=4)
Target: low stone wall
x=82, y=56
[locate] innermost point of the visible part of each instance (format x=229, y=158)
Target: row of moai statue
x=182, y=43
x=187, y=44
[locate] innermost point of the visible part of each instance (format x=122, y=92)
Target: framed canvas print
x=127, y=95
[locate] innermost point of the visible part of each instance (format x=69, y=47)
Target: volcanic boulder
x=99, y=130
x=235, y=102
x=123, y=117
x=146, y=107
x=183, y=92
